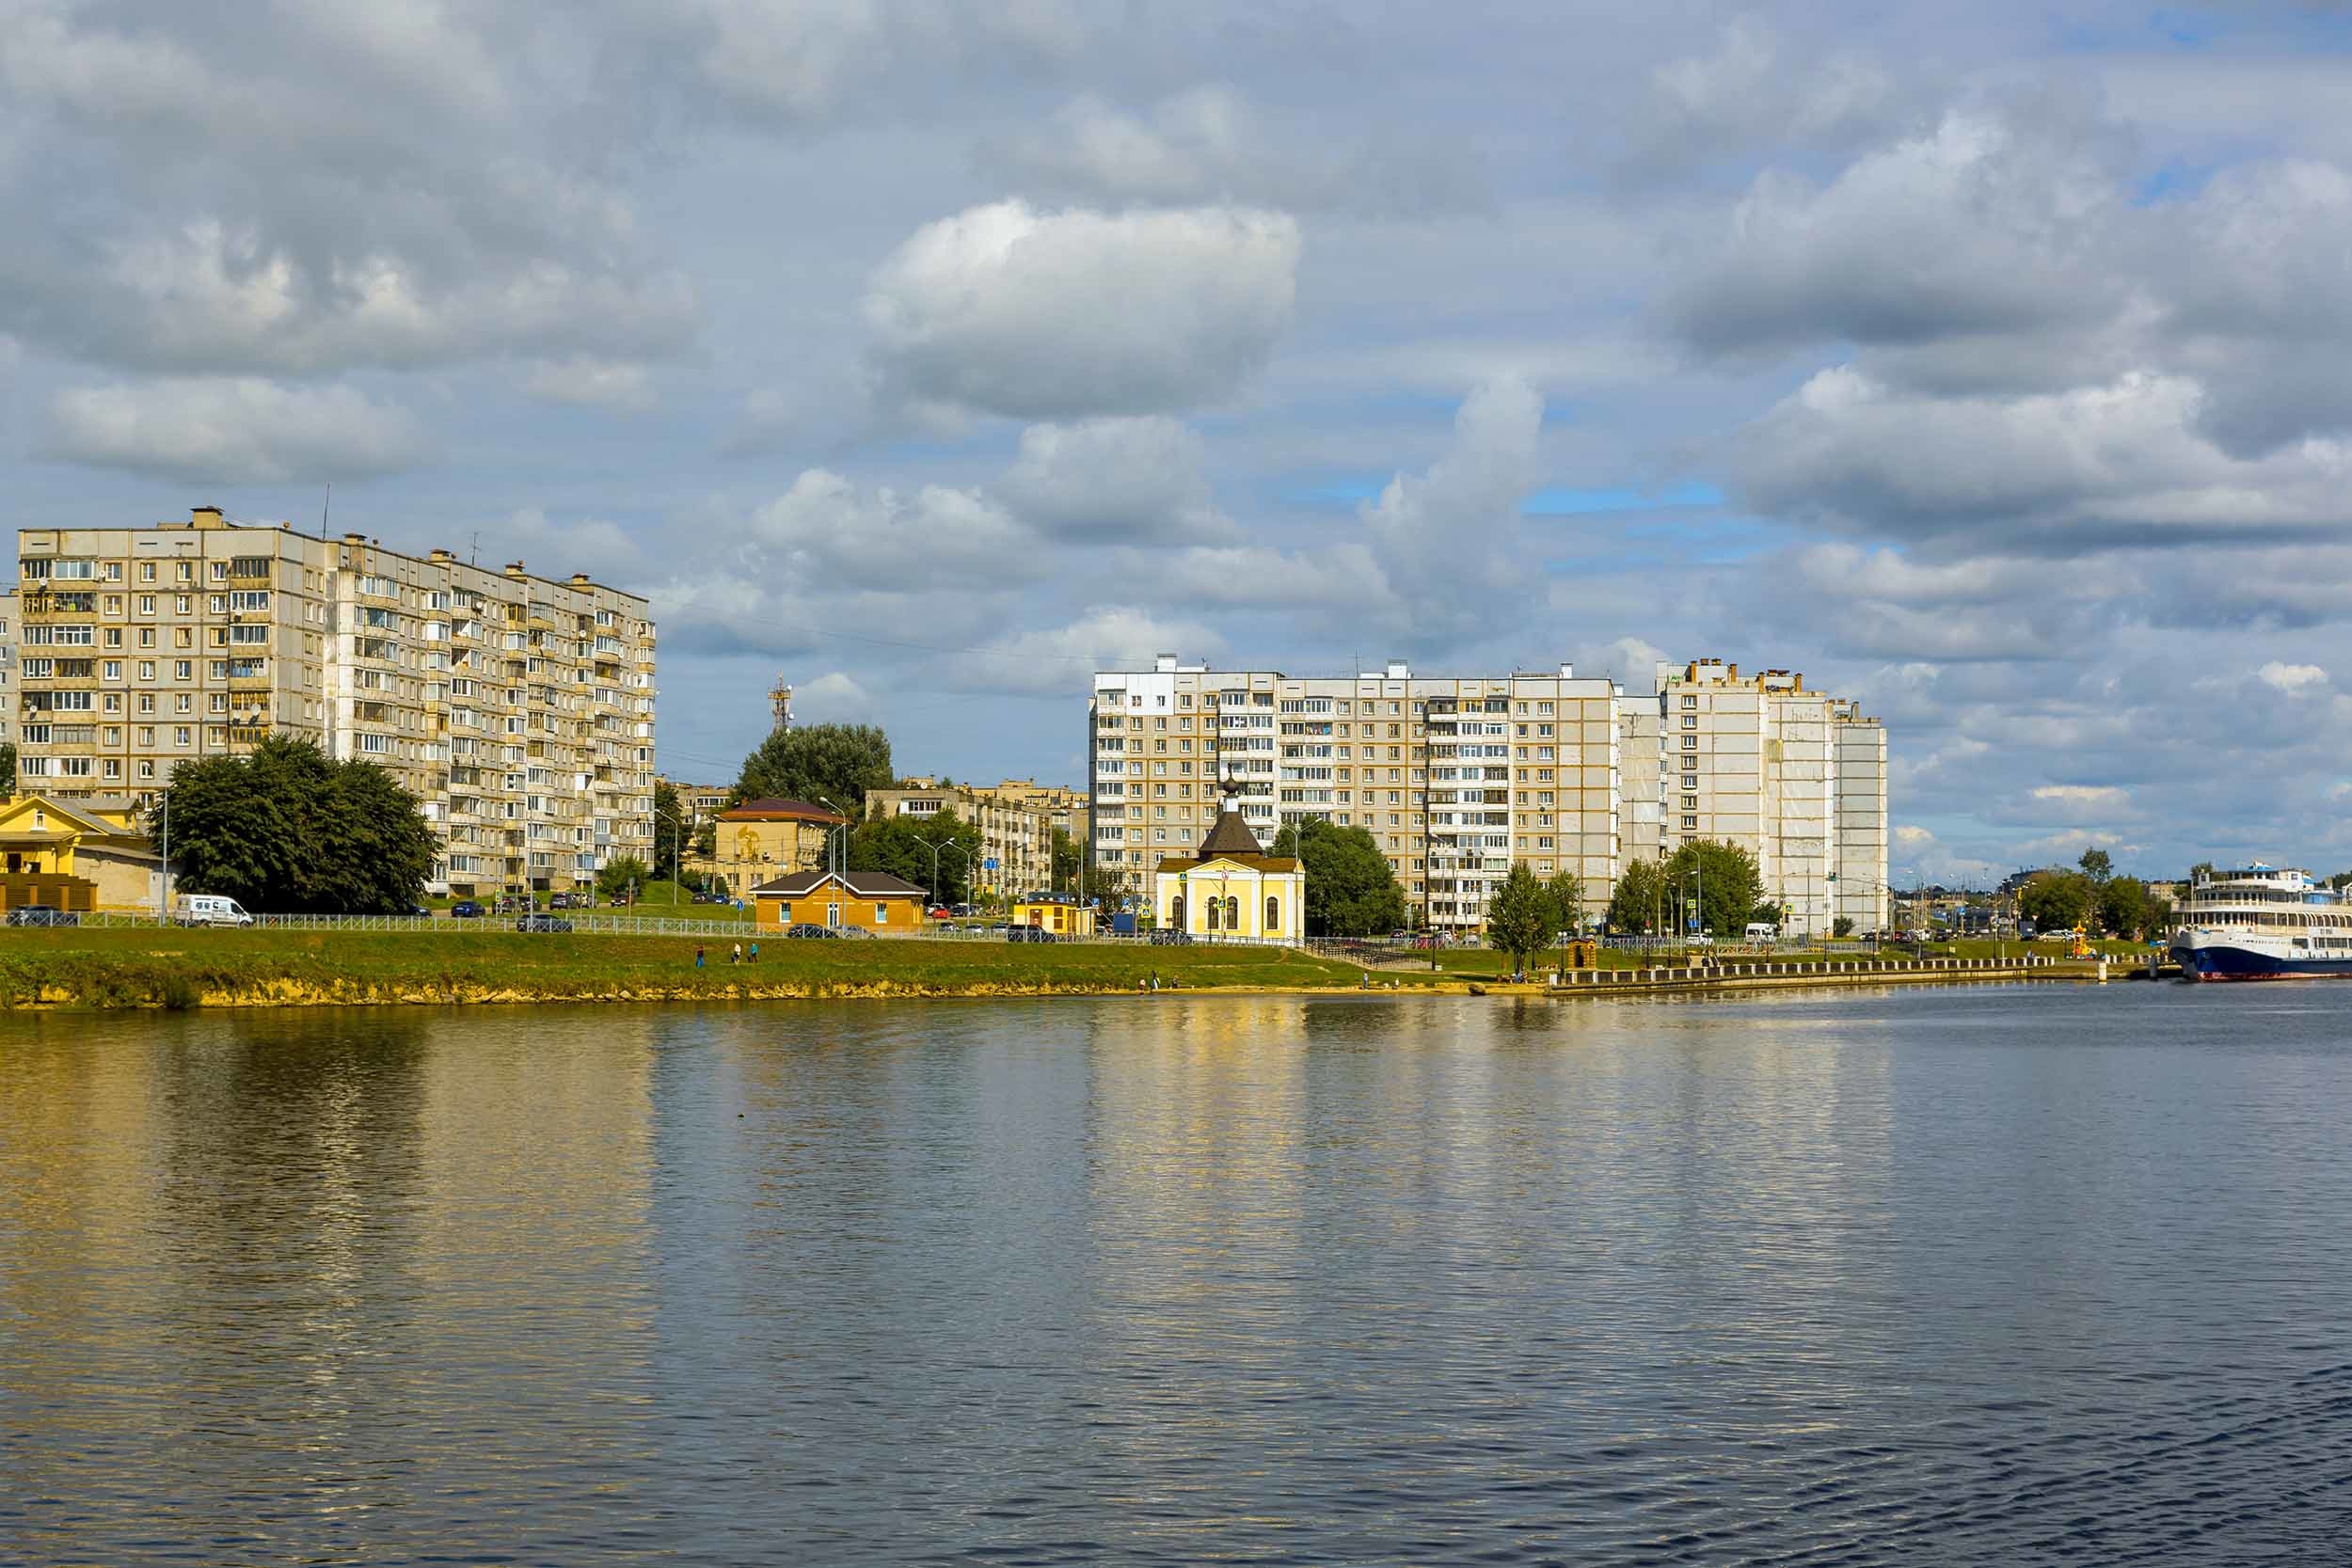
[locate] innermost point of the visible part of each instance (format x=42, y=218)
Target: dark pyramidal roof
x=1231, y=835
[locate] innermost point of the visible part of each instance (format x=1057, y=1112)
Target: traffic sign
x=988, y=866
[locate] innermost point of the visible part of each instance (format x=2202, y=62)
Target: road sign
x=988, y=866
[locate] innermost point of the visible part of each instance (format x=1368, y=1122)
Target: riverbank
x=111, y=969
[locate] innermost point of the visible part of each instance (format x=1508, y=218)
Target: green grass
x=119, y=967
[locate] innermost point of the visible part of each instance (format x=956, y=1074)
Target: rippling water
x=1966, y=1276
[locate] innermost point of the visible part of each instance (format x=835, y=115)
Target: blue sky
x=1984, y=363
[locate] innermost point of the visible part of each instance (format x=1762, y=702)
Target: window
x=179, y=734
x=184, y=670
x=147, y=574
x=1273, y=915
x=882, y=914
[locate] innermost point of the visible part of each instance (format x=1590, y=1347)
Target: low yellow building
x=1058, y=913
x=78, y=855
x=1232, y=890
x=860, y=900
x=761, y=840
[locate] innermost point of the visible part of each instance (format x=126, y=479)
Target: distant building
x=1058, y=913
x=518, y=708
x=1455, y=778
x=1015, y=821
x=1798, y=778
x=758, y=840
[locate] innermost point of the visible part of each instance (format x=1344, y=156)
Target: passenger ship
x=2261, y=923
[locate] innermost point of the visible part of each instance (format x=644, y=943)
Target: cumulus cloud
x=1211, y=143
x=1011, y=311
x=1745, y=92
x=234, y=429
x=1452, y=539
x=2296, y=680
x=596, y=546
x=1912, y=836
x=1062, y=659
x=621, y=388
x=2106, y=797
x=1116, y=480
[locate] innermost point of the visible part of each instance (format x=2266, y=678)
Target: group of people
x=735, y=955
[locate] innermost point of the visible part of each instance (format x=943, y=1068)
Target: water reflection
x=1964, y=1278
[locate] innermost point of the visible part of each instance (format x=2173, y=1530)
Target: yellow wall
x=1064, y=919
x=1249, y=888
x=894, y=916
x=749, y=853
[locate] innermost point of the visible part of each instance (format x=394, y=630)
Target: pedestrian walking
x=698, y=955
x=754, y=952
x=737, y=956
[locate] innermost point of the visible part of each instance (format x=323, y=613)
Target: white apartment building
x=519, y=710
x=1016, y=827
x=1455, y=778
x=1797, y=777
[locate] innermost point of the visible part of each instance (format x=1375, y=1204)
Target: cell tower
x=781, y=695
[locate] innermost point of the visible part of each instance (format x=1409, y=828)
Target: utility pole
x=162, y=901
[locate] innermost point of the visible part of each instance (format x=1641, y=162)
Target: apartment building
x=1015, y=821
x=8, y=667
x=1797, y=777
x=519, y=710
x=1455, y=778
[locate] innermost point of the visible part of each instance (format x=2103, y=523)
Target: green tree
x=2122, y=905
x=1351, y=890
x=1067, y=860
x=1722, y=878
x=840, y=762
x=284, y=829
x=7, y=770
x=901, y=846
x=621, y=874
x=1841, y=927
x=1522, y=917
x=669, y=824
x=2097, y=865
x=2057, y=900
x=1638, y=902
x=1568, y=902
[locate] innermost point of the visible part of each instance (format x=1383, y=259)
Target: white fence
x=588, y=923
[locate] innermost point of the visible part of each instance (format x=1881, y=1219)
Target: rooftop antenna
x=475, y=558
x=325, y=509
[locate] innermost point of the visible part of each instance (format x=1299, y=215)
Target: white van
x=208, y=909
x=1762, y=930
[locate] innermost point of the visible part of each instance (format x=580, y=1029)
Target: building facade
x=1796, y=777
x=756, y=841
x=1455, y=778
x=1015, y=821
x=518, y=708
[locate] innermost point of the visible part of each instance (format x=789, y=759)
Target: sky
x=1987, y=363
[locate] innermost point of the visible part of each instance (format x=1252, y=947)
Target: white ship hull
x=2244, y=953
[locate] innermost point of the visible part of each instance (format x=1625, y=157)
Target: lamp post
x=935, y=850
x=842, y=827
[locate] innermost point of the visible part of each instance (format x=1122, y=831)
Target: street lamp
x=842, y=827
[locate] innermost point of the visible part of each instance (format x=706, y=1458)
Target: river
x=1993, y=1274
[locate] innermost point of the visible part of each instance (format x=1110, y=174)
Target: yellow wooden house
x=80, y=855
x=1058, y=913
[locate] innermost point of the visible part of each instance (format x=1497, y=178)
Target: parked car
x=1028, y=933
x=810, y=931
x=543, y=923
x=937, y=911
x=966, y=911
x=465, y=908
x=1169, y=936
x=208, y=909
x=418, y=912
x=42, y=914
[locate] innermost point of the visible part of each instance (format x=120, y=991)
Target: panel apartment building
x=1455, y=778
x=518, y=708
x=1799, y=777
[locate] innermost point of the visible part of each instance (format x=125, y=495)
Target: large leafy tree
x=7, y=768
x=621, y=874
x=1638, y=902
x=1568, y=900
x=669, y=825
x=2057, y=900
x=2124, y=908
x=2097, y=865
x=903, y=845
x=1522, y=917
x=1351, y=889
x=285, y=829
x=1724, y=880
x=835, y=762
x=1066, y=861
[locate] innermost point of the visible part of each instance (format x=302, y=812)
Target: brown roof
x=858, y=884
x=772, y=810
x=1230, y=836
x=1256, y=863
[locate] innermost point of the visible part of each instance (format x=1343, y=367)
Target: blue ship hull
x=2223, y=962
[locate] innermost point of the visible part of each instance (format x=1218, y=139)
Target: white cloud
x=829, y=531
x=2101, y=797
x=1745, y=93
x=1006, y=310
x=1452, y=540
x=2296, y=680
x=1116, y=480
x=596, y=546
x=833, y=698
x=623, y=388
x=1062, y=659
x=1911, y=837
x=238, y=429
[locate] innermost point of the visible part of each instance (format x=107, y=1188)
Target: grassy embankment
x=132, y=968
